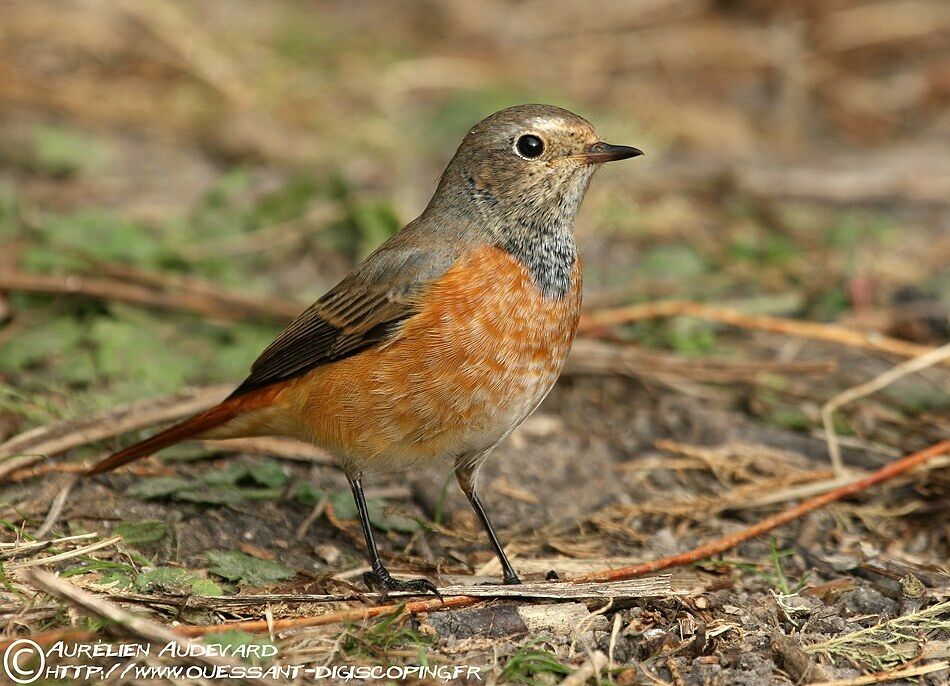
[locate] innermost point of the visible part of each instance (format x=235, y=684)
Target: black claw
x=511, y=580
x=381, y=581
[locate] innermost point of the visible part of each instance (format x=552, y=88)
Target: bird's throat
x=547, y=252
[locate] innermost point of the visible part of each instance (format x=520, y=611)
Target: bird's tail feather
x=189, y=428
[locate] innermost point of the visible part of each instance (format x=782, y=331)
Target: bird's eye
x=529, y=146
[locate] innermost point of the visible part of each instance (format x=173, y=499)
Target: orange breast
x=482, y=353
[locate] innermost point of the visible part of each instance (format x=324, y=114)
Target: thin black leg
x=466, y=478
x=380, y=578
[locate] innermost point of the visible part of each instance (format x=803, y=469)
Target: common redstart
x=447, y=337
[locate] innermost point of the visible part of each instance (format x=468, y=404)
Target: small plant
x=381, y=638
x=885, y=645
x=529, y=664
x=235, y=565
x=774, y=576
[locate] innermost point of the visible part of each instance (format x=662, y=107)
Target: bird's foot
x=511, y=580
x=380, y=580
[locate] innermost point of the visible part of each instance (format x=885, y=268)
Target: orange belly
x=477, y=359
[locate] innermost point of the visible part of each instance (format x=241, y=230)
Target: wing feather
x=365, y=309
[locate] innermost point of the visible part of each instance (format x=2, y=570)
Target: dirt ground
x=167, y=167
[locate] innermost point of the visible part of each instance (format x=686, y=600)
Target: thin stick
x=311, y=518
x=343, y=616
x=601, y=319
x=654, y=586
x=725, y=543
x=37, y=444
x=928, y=359
x=120, y=289
x=141, y=628
x=890, y=675
x=37, y=544
x=44, y=469
x=593, y=666
x=590, y=357
x=254, y=307
x=59, y=502
x=69, y=554
x=192, y=46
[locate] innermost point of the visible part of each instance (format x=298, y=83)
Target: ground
x=193, y=163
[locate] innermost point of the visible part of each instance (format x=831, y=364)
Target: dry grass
x=175, y=178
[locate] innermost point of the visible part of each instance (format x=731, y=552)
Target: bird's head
x=527, y=161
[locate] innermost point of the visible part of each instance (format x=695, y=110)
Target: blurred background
x=797, y=158
x=178, y=179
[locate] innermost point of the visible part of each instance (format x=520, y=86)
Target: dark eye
x=530, y=146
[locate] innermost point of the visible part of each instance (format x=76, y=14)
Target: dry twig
x=725, y=543
x=592, y=666
x=222, y=305
x=890, y=675
x=654, y=586
x=598, y=357
x=243, y=306
x=68, y=555
x=928, y=359
x=190, y=43
x=341, y=617
x=593, y=321
x=59, y=502
x=36, y=444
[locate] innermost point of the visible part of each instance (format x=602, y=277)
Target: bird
x=443, y=340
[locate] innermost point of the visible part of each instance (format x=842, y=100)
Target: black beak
x=601, y=152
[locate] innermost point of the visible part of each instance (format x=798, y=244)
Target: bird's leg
x=379, y=578
x=465, y=473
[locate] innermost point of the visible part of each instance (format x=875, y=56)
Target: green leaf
x=159, y=487
x=142, y=533
x=268, y=473
x=206, y=587
x=674, y=262
x=343, y=505
x=106, y=236
x=218, y=490
x=91, y=565
x=375, y=222
x=42, y=342
x=163, y=580
x=381, y=516
x=390, y=520
x=225, y=495
x=175, y=580
x=137, y=350
x=691, y=336
x=237, y=566
x=227, y=476
x=307, y=495
x=64, y=151
x=117, y=580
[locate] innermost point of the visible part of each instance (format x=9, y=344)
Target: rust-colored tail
x=189, y=428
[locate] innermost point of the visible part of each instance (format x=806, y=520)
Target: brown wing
x=363, y=310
